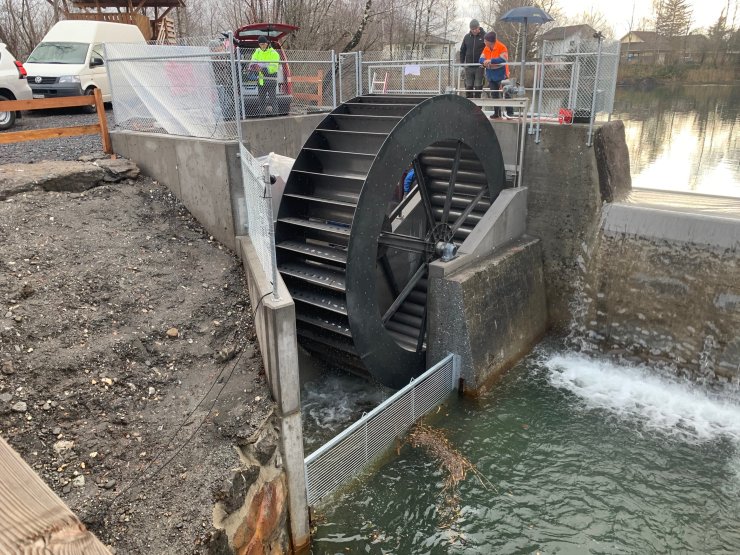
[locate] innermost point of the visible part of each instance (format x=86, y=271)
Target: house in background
x=644, y=47
x=562, y=40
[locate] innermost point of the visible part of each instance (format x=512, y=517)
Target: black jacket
x=472, y=47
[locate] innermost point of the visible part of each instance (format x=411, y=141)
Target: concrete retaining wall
x=490, y=313
x=281, y=135
x=204, y=174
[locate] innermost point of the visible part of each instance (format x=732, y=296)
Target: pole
x=334, y=79
x=235, y=88
x=599, y=36
x=267, y=197
x=524, y=53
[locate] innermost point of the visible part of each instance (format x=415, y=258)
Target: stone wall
x=491, y=313
x=664, y=302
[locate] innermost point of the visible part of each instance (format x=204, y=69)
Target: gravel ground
x=67, y=148
x=117, y=314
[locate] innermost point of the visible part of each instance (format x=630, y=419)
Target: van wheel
x=7, y=119
x=89, y=109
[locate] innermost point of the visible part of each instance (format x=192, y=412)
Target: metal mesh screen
x=258, y=204
x=178, y=89
x=345, y=456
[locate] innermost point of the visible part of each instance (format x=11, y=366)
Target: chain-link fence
x=202, y=87
x=178, y=89
x=383, y=73
x=259, y=212
x=345, y=456
x=578, y=83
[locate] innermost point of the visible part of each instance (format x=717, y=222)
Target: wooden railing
x=317, y=81
x=95, y=99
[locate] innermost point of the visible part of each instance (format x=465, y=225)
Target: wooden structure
x=34, y=519
x=150, y=16
x=313, y=81
x=96, y=99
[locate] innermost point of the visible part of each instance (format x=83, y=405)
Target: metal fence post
x=273, y=255
x=593, y=96
x=358, y=70
x=539, y=98
x=235, y=88
x=341, y=90
x=334, y=78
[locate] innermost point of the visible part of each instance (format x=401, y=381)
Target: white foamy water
x=673, y=407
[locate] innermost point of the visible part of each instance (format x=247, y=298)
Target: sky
x=619, y=12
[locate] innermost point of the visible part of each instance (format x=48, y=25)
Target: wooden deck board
x=34, y=520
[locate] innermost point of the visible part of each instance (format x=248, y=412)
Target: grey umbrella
x=524, y=15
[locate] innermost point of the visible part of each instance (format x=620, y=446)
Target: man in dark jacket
x=470, y=52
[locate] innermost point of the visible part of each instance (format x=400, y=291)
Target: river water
x=582, y=455
x=683, y=138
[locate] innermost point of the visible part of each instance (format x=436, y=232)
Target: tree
x=595, y=19
x=672, y=18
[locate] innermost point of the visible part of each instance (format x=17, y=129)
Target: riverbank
x=131, y=379
x=675, y=74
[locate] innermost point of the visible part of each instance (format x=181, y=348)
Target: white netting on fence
x=259, y=215
x=175, y=89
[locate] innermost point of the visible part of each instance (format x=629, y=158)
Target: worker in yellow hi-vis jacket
x=266, y=62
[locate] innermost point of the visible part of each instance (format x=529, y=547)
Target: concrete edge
x=681, y=227
x=275, y=323
x=503, y=222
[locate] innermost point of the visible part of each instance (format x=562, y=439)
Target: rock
x=173, y=333
x=5, y=397
x=63, y=445
x=118, y=169
x=8, y=314
x=26, y=291
x=92, y=157
x=241, y=481
x=110, y=484
x=56, y=431
x=57, y=175
x=7, y=367
x=152, y=391
x=66, y=489
x=20, y=406
x=612, y=161
x=79, y=481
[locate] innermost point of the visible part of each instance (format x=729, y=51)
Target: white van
x=70, y=60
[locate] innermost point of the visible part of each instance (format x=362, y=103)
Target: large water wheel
x=354, y=258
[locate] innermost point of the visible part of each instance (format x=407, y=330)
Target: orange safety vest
x=499, y=48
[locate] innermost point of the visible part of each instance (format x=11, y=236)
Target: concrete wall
x=490, y=313
x=276, y=332
x=563, y=209
x=665, y=294
x=281, y=135
x=199, y=172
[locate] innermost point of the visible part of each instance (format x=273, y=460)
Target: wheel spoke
x=424, y=193
x=388, y=273
x=405, y=293
x=422, y=331
x=451, y=186
x=407, y=243
x=461, y=220
x=397, y=210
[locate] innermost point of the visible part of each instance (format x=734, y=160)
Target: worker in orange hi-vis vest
x=495, y=58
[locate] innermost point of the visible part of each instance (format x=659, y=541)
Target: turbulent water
x=585, y=457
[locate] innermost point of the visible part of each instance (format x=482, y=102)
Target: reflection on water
x=683, y=138
x=585, y=456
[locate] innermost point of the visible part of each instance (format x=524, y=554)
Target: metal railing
x=347, y=454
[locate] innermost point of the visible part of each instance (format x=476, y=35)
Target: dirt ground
x=118, y=316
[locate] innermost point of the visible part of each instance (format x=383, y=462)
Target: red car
x=246, y=37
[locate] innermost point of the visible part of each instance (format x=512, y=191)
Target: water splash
x=677, y=408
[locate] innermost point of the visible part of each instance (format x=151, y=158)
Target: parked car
x=246, y=37
x=70, y=60
x=13, y=85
